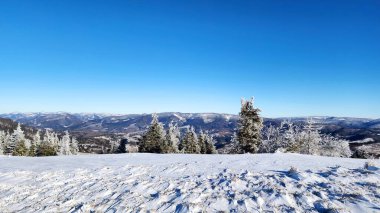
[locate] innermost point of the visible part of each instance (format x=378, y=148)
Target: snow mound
x=188, y=183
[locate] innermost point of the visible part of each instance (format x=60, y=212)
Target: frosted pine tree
x=46, y=147
x=32, y=149
x=202, y=142
x=56, y=142
x=46, y=136
x=37, y=138
x=189, y=143
x=74, y=146
x=249, y=129
x=49, y=138
x=292, y=138
x=113, y=146
x=210, y=147
x=65, y=144
x=2, y=142
x=311, y=138
x=7, y=140
x=20, y=149
x=334, y=147
x=17, y=140
x=271, y=139
x=153, y=140
x=28, y=143
x=172, y=138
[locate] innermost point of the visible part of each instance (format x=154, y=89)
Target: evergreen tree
x=172, y=139
x=47, y=145
x=37, y=138
x=311, y=138
x=249, y=129
x=65, y=148
x=334, y=147
x=153, y=140
x=234, y=147
x=28, y=143
x=74, y=147
x=46, y=149
x=210, y=147
x=15, y=139
x=36, y=142
x=189, y=143
x=122, y=146
x=202, y=142
x=56, y=142
x=33, y=149
x=2, y=141
x=20, y=149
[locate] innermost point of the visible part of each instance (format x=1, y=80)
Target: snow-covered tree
x=74, y=146
x=36, y=142
x=189, y=143
x=202, y=142
x=28, y=143
x=55, y=142
x=233, y=147
x=65, y=148
x=37, y=138
x=32, y=149
x=16, y=139
x=18, y=133
x=334, y=147
x=310, y=138
x=20, y=149
x=293, y=139
x=6, y=141
x=249, y=128
x=289, y=137
x=272, y=139
x=114, y=145
x=210, y=147
x=172, y=138
x=2, y=142
x=46, y=147
x=154, y=139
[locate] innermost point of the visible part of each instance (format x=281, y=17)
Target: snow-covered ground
x=188, y=183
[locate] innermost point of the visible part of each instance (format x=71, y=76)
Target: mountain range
x=93, y=126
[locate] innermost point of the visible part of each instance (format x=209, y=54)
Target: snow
x=366, y=140
x=208, y=117
x=179, y=117
x=188, y=183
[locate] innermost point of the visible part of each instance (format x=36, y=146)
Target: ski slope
x=188, y=183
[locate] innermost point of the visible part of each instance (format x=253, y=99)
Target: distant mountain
x=9, y=125
x=122, y=123
x=222, y=126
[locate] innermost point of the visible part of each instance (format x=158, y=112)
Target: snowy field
x=188, y=183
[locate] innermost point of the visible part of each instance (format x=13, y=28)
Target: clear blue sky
x=298, y=58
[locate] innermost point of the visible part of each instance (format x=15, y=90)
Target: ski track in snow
x=188, y=183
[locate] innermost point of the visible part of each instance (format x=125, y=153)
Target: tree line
x=157, y=140
x=18, y=145
x=253, y=137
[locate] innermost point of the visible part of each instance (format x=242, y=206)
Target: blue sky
x=298, y=58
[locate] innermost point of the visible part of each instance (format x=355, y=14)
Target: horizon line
x=221, y=113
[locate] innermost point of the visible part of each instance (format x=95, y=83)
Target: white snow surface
x=188, y=183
